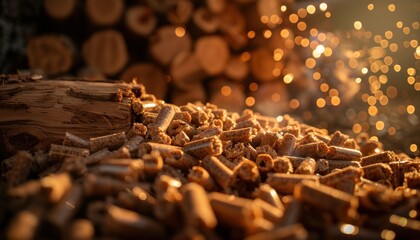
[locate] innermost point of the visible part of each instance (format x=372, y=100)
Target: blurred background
x=342, y=65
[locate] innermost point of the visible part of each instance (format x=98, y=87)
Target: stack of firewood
x=181, y=51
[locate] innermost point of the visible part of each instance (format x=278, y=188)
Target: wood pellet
x=197, y=171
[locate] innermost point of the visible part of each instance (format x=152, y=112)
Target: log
x=54, y=54
x=195, y=93
x=37, y=113
x=262, y=65
x=59, y=10
x=104, y=12
x=186, y=70
x=150, y=75
x=140, y=20
x=236, y=69
x=233, y=24
x=165, y=44
x=212, y=53
x=216, y=6
x=205, y=20
x=107, y=51
x=180, y=12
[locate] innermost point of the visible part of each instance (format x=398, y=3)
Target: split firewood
x=150, y=75
x=104, y=12
x=107, y=51
x=212, y=53
x=86, y=109
x=205, y=20
x=216, y=6
x=140, y=20
x=59, y=9
x=167, y=43
x=262, y=65
x=186, y=70
x=236, y=69
x=53, y=54
x=180, y=12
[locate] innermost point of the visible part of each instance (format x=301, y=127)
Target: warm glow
x=311, y=9
x=250, y=101
x=380, y=125
x=411, y=109
x=357, y=25
x=323, y=7
x=391, y=7
x=284, y=33
x=179, y=31
x=293, y=18
x=320, y=102
x=413, y=147
x=267, y=34
x=335, y=101
x=251, y=34
x=294, y=104
x=226, y=91
x=371, y=7
x=357, y=128
x=288, y=78
x=253, y=86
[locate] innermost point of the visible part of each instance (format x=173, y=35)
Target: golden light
x=392, y=131
x=357, y=128
x=264, y=19
x=250, y=101
x=318, y=51
x=276, y=72
x=364, y=70
x=310, y=63
x=328, y=52
x=311, y=9
x=245, y=56
x=411, y=71
x=294, y=103
x=293, y=18
x=267, y=33
x=397, y=68
x=349, y=229
x=413, y=147
x=316, y=75
x=357, y=25
x=335, y=101
x=320, y=102
x=251, y=34
x=278, y=54
x=389, y=34
x=179, y=31
x=388, y=234
x=327, y=14
x=275, y=97
x=253, y=86
x=411, y=109
x=411, y=80
x=288, y=78
x=302, y=13
x=372, y=110
x=370, y=6
x=391, y=7
x=284, y=33
x=399, y=24
x=283, y=8
x=323, y=7
x=301, y=26
x=380, y=125
x=324, y=87
x=226, y=91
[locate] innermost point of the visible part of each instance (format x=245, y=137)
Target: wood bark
x=52, y=53
x=37, y=113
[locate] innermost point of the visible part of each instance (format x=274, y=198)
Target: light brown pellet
x=322, y=166
x=264, y=162
x=292, y=211
x=201, y=148
x=246, y=170
x=164, y=149
x=196, y=207
x=201, y=176
x=295, y=231
x=68, y=206
x=342, y=153
x=237, y=135
x=60, y=152
x=338, y=139
x=81, y=229
x=412, y=179
x=344, y=180
x=183, y=116
x=377, y=171
x=339, y=164
x=137, y=199
x=314, y=150
x=220, y=172
x=282, y=165
x=209, y=132
x=341, y=204
x=163, y=119
x=285, y=183
x=94, y=185
x=266, y=193
x=126, y=223
x=384, y=157
x=287, y=145
x=55, y=186
x=269, y=212
x=235, y=211
x=307, y=166
x=112, y=142
x=75, y=141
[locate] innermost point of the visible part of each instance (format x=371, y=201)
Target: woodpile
x=184, y=45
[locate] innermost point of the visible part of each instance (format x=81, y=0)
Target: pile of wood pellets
x=197, y=171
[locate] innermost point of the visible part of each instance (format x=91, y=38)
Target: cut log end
x=212, y=53
x=104, y=12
